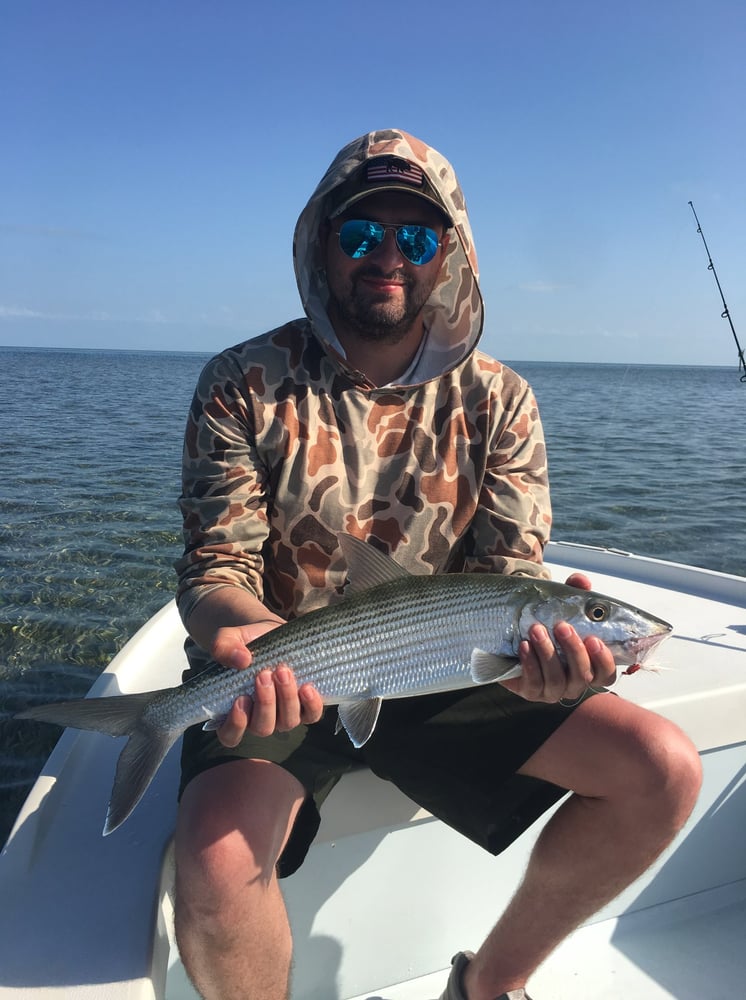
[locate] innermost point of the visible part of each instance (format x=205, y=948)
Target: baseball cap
x=384, y=173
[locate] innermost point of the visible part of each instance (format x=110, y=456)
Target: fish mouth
x=636, y=651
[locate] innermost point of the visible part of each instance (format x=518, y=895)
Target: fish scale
x=345, y=653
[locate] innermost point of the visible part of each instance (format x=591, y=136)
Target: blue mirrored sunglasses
x=359, y=237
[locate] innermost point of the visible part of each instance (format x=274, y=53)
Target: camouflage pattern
x=286, y=445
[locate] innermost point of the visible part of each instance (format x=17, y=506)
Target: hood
x=454, y=313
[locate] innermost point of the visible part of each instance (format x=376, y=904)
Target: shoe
x=454, y=989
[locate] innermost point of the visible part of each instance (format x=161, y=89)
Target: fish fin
x=141, y=757
x=514, y=673
x=359, y=719
x=117, y=715
x=120, y=715
x=212, y=724
x=367, y=566
x=487, y=667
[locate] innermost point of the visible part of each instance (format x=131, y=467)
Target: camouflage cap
x=385, y=173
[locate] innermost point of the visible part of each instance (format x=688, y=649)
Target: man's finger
x=578, y=580
x=264, y=709
x=288, y=704
x=231, y=732
x=312, y=705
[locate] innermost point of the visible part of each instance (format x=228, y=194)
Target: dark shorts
x=454, y=754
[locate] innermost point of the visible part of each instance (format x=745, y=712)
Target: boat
x=376, y=914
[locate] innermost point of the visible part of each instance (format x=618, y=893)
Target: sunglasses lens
x=417, y=243
x=358, y=237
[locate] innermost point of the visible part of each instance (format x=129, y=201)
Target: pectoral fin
x=487, y=667
x=215, y=723
x=358, y=719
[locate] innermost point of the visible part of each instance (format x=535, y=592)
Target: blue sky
x=156, y=157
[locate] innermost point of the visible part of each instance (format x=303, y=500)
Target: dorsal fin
x=366, y=566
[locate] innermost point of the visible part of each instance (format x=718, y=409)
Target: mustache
x=377, y=273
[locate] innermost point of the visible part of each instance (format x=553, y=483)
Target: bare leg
x=231, y=924
x=636, y=778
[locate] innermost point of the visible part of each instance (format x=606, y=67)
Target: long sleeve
x=224, y=494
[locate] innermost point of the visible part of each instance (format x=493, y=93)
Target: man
x=376, y=415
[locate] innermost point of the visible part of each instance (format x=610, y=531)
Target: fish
x=393, y=635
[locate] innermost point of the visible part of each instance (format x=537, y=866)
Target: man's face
x=379, y=296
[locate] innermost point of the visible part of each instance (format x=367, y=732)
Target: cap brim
x=376, y=189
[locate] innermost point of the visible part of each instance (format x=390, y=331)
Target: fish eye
x=596, y=611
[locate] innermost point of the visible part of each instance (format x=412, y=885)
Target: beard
x=376, y=317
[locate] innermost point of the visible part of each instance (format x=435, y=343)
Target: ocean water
x=644, y=458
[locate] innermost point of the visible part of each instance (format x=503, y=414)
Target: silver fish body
x=394, y=635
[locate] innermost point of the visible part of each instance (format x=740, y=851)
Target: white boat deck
x=657, y=954
x=388, y=894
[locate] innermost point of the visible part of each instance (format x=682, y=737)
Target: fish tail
x=115, y=716
x=120, y=715
x=141, y=757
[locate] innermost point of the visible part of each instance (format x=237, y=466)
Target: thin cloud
x=94, y=316
x=222, y=318
x=22, y=312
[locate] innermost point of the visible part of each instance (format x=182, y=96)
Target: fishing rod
x=725, y=314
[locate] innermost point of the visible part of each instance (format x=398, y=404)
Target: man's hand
x=544, y=677
x=278, y=704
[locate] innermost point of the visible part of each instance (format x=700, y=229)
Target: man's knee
x=233, y=823
x=654, y=762
x=673, y=768
x=612, y=749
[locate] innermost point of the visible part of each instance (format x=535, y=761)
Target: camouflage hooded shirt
x=286, y=445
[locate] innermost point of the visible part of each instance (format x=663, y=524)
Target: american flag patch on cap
x=394, y=169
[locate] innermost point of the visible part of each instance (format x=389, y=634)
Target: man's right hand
x=278, y=704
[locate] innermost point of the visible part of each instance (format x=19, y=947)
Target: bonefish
x=393, y=636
